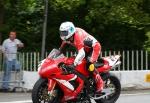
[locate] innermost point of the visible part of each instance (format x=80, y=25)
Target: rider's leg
x=96, y=75
x=98, y=80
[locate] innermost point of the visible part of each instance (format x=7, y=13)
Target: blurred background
x=117, y=24
x=121, y=26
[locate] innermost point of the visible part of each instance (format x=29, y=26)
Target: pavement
x=140, y=96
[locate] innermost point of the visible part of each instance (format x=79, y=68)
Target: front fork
x=51, y=85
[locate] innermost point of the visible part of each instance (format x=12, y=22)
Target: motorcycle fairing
x=70, y=92
x=55, y=74
x=50, y=67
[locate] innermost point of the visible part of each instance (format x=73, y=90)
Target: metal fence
x=131, y=60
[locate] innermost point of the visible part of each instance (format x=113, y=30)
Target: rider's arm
x=79, y=57
x=80, y=48
x=62, y=45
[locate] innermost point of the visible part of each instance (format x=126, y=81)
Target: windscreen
x=55, y=54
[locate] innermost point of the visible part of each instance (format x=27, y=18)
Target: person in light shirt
x=9, y=49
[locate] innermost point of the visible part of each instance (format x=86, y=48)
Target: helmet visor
x=63, y=33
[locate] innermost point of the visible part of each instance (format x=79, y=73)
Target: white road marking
x=26, y=101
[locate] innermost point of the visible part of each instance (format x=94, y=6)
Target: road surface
x=126, y=97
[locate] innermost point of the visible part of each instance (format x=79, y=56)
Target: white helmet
x=67, y=29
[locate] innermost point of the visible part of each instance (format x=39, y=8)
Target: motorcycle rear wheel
x=40, y=93
x=114, y=83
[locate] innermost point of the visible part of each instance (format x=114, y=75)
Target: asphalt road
x=126, y=97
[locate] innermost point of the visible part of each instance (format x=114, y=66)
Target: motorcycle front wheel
x=40, y=93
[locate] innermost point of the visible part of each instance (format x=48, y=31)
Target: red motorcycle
x=59, y=83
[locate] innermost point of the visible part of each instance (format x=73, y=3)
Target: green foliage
x=117, y=24
x=26, y=17
x=147, y=43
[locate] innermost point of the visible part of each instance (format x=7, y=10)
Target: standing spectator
x=9, y=48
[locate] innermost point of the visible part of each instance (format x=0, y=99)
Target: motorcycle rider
x=85, y=44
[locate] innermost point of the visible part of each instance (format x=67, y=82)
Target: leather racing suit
x=86, y=45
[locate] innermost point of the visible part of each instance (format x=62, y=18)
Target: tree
x=122, y=23
x=117, y=24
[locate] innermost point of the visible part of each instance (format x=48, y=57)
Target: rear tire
x=40, y=93
x=117, y=88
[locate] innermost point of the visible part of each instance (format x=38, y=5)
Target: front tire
x=40, y=93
